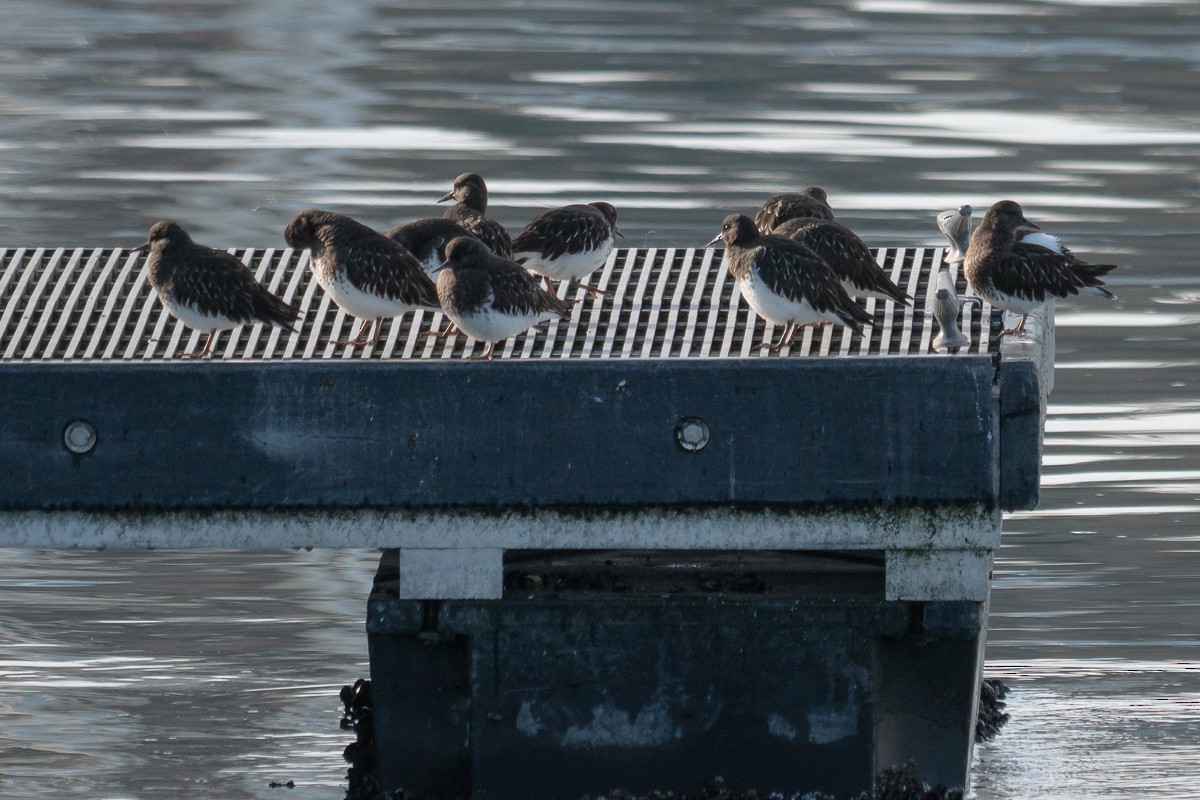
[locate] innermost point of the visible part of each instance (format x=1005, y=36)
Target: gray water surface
x=210, y=674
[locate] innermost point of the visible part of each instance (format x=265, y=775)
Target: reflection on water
x=210, y=674
x=144, y=674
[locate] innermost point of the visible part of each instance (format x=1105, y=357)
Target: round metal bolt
x=79, y=436
x=691, y=434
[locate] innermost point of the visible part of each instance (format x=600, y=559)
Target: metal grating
x=73, y=304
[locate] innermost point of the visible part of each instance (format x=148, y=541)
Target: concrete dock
x=633, y=550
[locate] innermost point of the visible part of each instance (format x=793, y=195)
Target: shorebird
x=470, y=210
x=206, y=289
x=427, y=239
x=809, y=203
x=491, y=298
x=367, y=274
x=955, y=225
x=1019, y=273
x=847, y=255
x=568, y=243
x=785, y=282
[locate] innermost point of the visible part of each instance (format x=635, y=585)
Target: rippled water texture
x=210, y=674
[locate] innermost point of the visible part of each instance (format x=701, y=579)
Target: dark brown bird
x=809, y=203
x=785, y=282
x=427, y=239
x=847, y=255
x=365, y=272
x=491, y=298
x=1016, y=269
x=470, y=210
x=206, y=289
x=568, y=243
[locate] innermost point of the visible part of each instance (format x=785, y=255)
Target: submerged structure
x=635, y=549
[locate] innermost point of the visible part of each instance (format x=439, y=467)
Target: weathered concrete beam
x=881, y=528
x=934, y=553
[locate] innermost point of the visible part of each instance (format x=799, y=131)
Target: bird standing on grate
x=427, y=239
x=1013, y=266
x=491, y=298
x=367, y=274
x=567, y=243
x=809, y=203
x=847, y=255
x=206, y=289
x=785, y=282
x=470, y=210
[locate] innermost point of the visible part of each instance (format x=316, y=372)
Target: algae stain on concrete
x=614, y=727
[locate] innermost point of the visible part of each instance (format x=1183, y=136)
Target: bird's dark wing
x=377, y=265
x=427, y=238
x=484, y=228
x=573, y=229
x=216, y=283
x=783, y=207
x=846, y=254
x=1032, y=272
x=491, y=233
x=516, y=291
x=797, y=273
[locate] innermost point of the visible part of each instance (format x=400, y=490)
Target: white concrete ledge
x=882, y=528
x=938, y=553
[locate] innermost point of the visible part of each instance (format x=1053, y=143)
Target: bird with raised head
x=785, y=282
x=207, y=289
x=568, y=243
x=1020, y=273
x=470, y=196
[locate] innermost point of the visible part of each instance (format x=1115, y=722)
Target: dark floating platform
x=633, y=546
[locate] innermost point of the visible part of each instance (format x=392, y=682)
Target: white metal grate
x=71, y=304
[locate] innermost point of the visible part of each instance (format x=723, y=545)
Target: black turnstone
x=427, y=239
x=1012, y=268
x=568, y=243
x=470, y=209
x=367, y=274
x=785, y=282
x=206, y=289
x=809, y=203
x=847, y=255
x=955, y=225
x=489, y=297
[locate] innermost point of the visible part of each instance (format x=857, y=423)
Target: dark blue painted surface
x=212, y=435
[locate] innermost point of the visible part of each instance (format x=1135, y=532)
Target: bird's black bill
x=715, y=239
x=141, y=248
x=449, y=196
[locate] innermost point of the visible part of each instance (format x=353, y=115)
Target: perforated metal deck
x=72, y=304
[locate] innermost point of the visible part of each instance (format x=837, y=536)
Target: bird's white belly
x=855, y=291
x=359, y=303
x=491, y=325
x=1017, y=305
x=568, y=266
x=193, y=318
x=777, y=309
